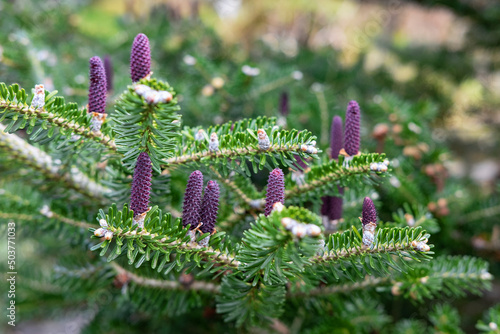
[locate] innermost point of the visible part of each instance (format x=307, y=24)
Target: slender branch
x=166, y=285
x=43, y=162
x=343, y=288
x=328, y=178
x=48, y=214
x=234, y=187
x=360, y=250
x=43, y=114
x=227, y=153
x=269, y=87
x=479, y=214
x=207, y=252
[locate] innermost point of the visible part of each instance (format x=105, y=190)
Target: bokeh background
x=437, y=62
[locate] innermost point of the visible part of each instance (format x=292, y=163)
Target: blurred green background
x=428, y=70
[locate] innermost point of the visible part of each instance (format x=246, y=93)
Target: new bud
x=140, y=58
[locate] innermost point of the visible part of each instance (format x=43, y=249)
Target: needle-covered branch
x=160, y=238
x=56, y=120
x=257, y=141
x=41, y=161
x=324, y=178
x=165, y=284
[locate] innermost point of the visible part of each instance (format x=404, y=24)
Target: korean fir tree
x=184, y=237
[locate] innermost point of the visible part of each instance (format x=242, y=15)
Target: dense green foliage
x=59, y=180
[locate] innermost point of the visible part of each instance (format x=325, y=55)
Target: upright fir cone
x=352, y=126
x=108, y=69
x=369, y=221
x=140, y=58
x=336, y=137
x=275, y=190
x=209, y=207
x=97, y=89
x=284, y=107
x=192, y=200
x=141, y=185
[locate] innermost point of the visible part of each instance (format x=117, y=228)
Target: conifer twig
x=43, y=114
x=369, y=281
x=43, y=162
x=227, y=153
x=165, y=284
x=48, y=214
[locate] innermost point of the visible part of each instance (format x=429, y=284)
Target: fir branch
x=41, y=161
x=161, y=235
x=235, y=188
x=244, y=153
x=45, y=211
x=64, y=118
x=234, y=144
x=47, y=214
x=145, y=122
x=164, y=284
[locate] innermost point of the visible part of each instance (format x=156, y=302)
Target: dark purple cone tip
x=352, y=126
x=141, y=184
x=140, y=58
x=299, y=163
x=284, y=107
x=275, y=190
x=108, y=69
x=97, y=87
x=209, y=207
x=369, y=212
x=336, y=137
x=192, y=200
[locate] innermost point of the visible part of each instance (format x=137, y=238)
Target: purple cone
x=336, y=137
x=352, y=125
x=141, y=184
x=209, y=207
x=108, y=68
x=97, y=88
x=140, y=58
x=275, y=190
x=284, y=107
x=369, y=212
x=192, y=200
x=332, y=206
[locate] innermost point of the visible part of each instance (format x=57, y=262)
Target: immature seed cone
x=332, y=206
x=369, y=212
x=209, y=207
x=336, y=137
x=141, y=184
x=192, y=200
x=140, y=58
x=352, y=126
x=275, y=190
x=108, y=69
x=284, y=107
x=97, y=89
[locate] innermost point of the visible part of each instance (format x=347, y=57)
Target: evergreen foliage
x=245, y=255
